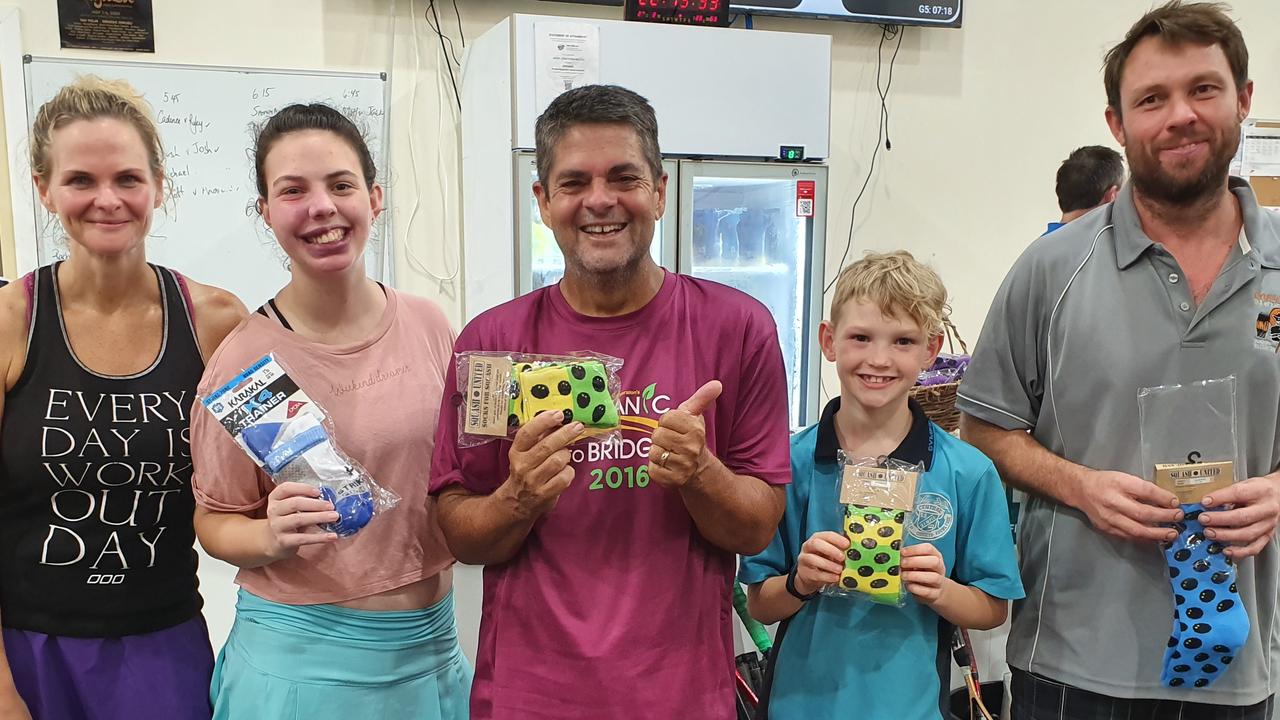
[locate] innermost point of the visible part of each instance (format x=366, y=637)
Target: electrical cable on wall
x=414, y=261
x=432, y=16
x=461, y=35
x=446, y=46
x=884, y=96
x=887, y=32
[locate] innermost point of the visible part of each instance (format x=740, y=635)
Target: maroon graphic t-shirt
x=616, y=606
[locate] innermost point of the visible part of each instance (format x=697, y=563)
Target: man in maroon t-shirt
x=608, y=566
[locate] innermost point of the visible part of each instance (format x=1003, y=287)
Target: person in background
x=100, y=356
x=1089, y=177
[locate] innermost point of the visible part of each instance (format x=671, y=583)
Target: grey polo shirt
x=1086, y=317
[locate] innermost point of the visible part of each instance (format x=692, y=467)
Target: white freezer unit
x=717, y=92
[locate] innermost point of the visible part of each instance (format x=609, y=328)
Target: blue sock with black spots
x=1210, y=624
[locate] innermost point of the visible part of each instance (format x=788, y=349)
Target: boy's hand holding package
x=924, y=573
x=820, y=562
x=539, y=464
x=678, y=453
x=1247, y=516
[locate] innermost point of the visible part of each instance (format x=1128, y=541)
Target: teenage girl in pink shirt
x=325, y=627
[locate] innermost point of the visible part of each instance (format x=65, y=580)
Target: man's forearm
x=1023, y=462
x=738, y=513
x=482, y=529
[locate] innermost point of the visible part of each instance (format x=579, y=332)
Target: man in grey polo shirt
x=1166, y=285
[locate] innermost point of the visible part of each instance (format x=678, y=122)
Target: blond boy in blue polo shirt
x=834, y=657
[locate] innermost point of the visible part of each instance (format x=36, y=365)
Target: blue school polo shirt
x=838, y=657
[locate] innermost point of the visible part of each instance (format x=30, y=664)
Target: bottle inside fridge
x=729, y=236
x=706, y=239
x=751, y=237
x=771, y=234
x=762, y=251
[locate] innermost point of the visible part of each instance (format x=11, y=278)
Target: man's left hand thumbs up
x=679, y=452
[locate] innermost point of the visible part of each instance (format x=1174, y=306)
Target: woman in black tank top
x=101, y=355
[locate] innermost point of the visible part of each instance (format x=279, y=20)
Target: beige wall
x=980, y=117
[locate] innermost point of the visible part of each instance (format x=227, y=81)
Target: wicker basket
x=939, y=401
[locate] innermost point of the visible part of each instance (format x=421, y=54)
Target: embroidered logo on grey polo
x=932, y=516
x=1267, y=328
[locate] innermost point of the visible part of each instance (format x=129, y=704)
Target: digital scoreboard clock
x=679, y=12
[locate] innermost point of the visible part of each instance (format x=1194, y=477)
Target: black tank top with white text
x=96, y=536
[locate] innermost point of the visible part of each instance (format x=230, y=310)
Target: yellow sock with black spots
x=579, y=390
x=873, y=561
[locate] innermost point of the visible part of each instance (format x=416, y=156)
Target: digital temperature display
x=679, y=12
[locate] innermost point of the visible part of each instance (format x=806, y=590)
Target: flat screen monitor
x=930, y=13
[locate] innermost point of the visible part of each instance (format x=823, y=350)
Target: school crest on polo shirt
x=931, y=517
x=1267, y=325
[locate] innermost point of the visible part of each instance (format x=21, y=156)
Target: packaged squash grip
x=503, y=391
x=875, y=503
x=290, y=437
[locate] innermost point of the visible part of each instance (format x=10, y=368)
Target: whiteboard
x=208, y=228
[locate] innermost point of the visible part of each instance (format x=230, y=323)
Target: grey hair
x=597, y=104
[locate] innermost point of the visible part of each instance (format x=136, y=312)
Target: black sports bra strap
x=279, y=315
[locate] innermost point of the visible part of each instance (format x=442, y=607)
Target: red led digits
x=680, y=12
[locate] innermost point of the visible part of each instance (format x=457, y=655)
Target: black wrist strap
x=791, y=588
